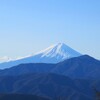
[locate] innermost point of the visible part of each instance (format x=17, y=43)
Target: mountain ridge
x=82, y=67
x=48, y=85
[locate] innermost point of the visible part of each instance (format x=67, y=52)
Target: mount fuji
x=53, y=54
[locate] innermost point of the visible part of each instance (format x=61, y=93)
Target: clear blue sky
x=27, y=26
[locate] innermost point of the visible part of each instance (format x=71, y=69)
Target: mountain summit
x=53, y=54
x=58, y=53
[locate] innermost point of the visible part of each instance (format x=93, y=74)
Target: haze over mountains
x=82, y=67
x=56, y=73
x=75, y=79
x=52, y=54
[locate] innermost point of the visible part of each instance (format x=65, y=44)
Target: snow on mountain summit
x=53, y=54
x=60, y=51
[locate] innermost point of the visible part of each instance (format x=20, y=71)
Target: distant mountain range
x=75, y=79
x=57, y=73
x=82, y=67
x=52, y=54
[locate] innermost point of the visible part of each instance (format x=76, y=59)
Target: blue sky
x=27, y=26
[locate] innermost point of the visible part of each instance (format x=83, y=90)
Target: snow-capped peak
x=54, y=54
x=59, y=51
